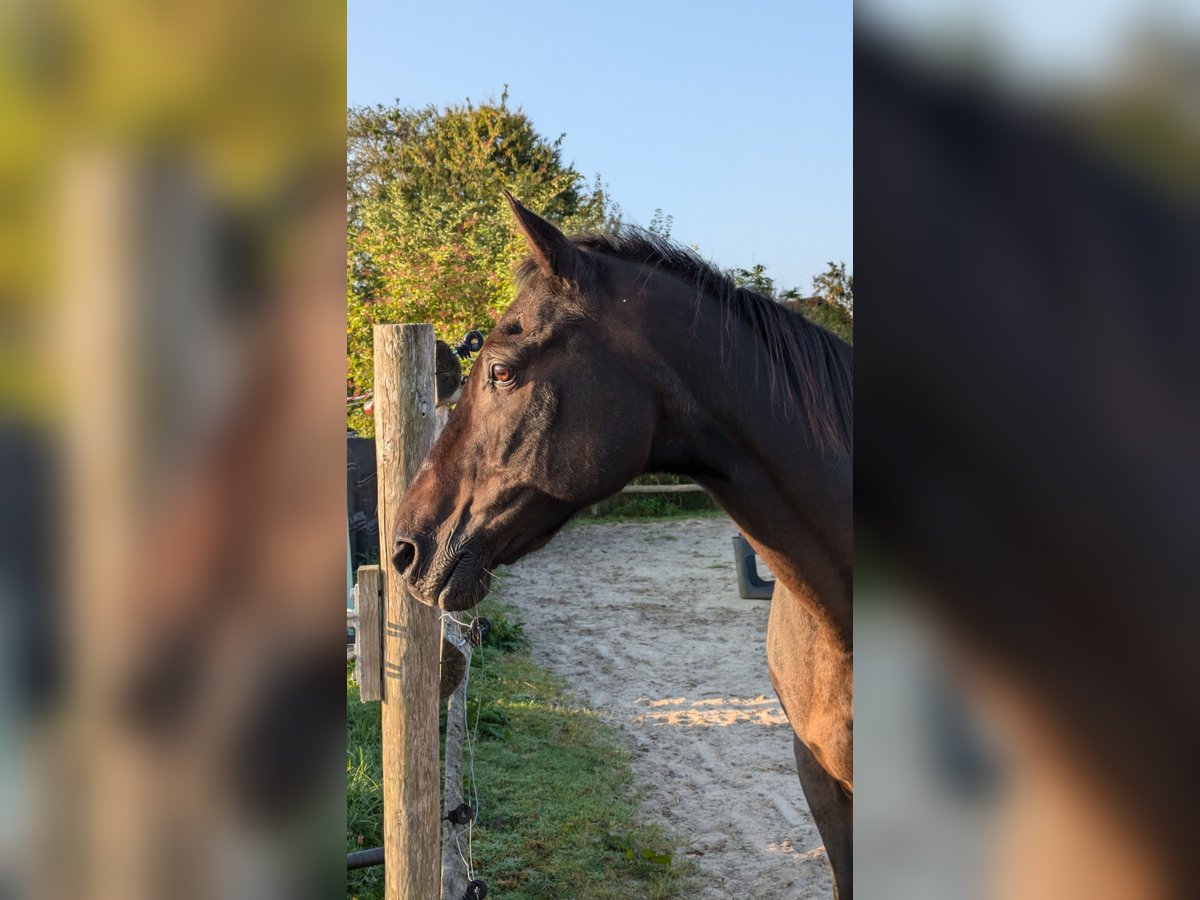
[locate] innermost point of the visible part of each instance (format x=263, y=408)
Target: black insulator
x=479, y=631
x=461, y=814
x=476, y=890
x=472, y=343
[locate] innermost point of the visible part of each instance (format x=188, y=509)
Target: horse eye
x=501, y=374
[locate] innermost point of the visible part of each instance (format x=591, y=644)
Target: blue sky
x=736, y=120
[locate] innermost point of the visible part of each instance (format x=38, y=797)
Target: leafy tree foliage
x=430, y=235
x=755, y=279
x=831, y=304
x=660, y=223
x=836, y=287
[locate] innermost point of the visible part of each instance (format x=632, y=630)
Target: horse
x=623, y=353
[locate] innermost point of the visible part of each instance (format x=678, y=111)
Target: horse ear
x=551, y=249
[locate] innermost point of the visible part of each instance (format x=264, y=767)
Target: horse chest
x=813, y=679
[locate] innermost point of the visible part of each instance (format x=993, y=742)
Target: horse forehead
x=533, y=312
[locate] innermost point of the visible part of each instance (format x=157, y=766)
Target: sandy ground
x=645, y=622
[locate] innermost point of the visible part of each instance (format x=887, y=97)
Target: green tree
x=836, y=287
x=660, y=224
x=755, y=279
x=831, y=304
x=430, y=235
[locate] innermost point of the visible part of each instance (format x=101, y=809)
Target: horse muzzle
x=453, y=579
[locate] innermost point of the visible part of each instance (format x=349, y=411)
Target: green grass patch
x=557, y=813
x=364, y=788
x=652, y=507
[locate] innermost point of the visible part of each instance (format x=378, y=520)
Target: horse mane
x=811, y=371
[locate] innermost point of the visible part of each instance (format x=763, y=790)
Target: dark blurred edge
x=172, y=189
x=1028, y=390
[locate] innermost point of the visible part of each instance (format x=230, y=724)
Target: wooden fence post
x=368, y=642
x=404, y=432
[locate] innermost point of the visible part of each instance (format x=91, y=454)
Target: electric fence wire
x=469, y=858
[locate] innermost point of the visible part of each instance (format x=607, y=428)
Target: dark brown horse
x=624, y=354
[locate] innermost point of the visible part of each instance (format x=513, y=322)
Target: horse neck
x=790, y=495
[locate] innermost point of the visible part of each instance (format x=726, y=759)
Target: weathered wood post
x=404, y=432
x=368, y=640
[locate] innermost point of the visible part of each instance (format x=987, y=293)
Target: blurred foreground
x=1028, y=414
x=173, y=576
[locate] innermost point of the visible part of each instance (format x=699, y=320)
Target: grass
x=654, y=505
x=648, y=507
x=557, y=813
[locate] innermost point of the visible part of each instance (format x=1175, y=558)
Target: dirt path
x=645, y=622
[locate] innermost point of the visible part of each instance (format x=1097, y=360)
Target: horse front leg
x=832, y=808
x=814, y=682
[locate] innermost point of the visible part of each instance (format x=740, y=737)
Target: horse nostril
x=405, y=555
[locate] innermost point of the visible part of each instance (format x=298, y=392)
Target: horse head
x=555, y=415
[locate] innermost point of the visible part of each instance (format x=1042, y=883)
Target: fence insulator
x=480, y=629
x=476, y=890
x=461, y=814
x=472, y=343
